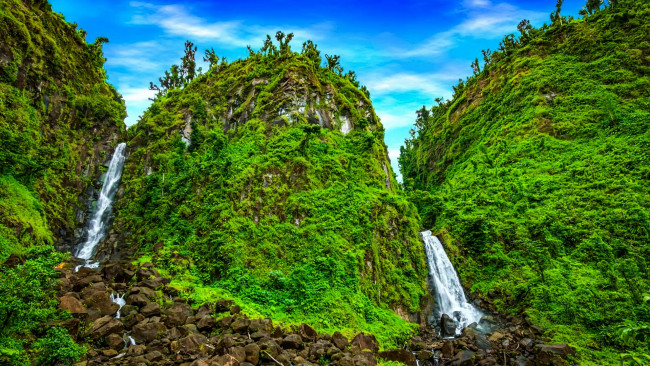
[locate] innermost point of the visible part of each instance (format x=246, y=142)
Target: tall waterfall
x=450, y=297
x=97, y=226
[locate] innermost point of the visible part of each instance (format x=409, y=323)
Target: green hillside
x=271, y=175
x=537, y=174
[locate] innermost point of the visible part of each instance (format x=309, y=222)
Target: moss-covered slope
x=537, y=173
x=57, y=115
x=271, y=173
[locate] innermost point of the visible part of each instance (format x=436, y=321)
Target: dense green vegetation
x=537, y=174
x=56, y=114
x=249, y=171
x=56, y=110
x=28, y=302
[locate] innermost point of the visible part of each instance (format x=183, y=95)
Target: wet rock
x=145, y=333
x=292, y=341
x=469, y=333
x=399, y=355
x=366, y=341
x=73, y=305
x=80, y=283
x=115, y=341
x=447, y=326
x=101, y=301
x=105, y=326
x=138, y=300
x=340, y=341
x=463, y=358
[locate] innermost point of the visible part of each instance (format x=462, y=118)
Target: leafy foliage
x=28, y=301
x=537, y=171
x=246, y=171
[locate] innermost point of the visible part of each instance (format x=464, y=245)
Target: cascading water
x=450, y=297
x=97, y=226
x=119, y=300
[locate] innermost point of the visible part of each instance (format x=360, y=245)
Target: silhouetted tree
x=311, y=52
x=211, y=58
x=333, y=63
x=475, y=67
x=178, y=76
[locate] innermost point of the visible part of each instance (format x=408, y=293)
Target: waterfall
x=119, y=300
x=98, y=225
x=450, y=297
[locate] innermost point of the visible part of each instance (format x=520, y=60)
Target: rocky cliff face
x=272, y=174
x=59, y=121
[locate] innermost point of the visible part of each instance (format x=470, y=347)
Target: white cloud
x=483, y=21
x=433, y=85
x=178, y=20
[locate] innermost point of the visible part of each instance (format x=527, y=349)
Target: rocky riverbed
x=157, y=327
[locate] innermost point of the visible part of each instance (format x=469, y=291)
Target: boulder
x=364, y=359
x=147, y=332
x=115, y=341
x=447, y=349
x=252, y=353
x=177, y=314
x=447, y=326
x=206, y=323
x=399, y=355
x=151, y=309
x=307, y=333
x=105, y=326
x=223, y=305
x=366, y=341
x=425, y=355
x=261, y=325
x=138, y=300
x=73, y=305
x=552, y=354
x=292, y=341
x=463, y=358
x=240, y=325
x=190, y=343
x=340, y=341
x=101, y=300
x=235, y=310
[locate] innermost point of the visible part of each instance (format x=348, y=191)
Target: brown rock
x=292, y=341
x=192, y=342
x=223, y=305
x=105, y=326
x=447, y=349
x=73, y=305
x=151, y=309
x=149, y=293
x=138, y=300
x=463, y=358
x=177, y=314
x=364, y=359
x=240, y=325
x=206, y=323
x=109, y=352
x=235, y=310
x=261, y=325
x=115, y=341
x=252, y=353
x=101, y=300
x=366, y=341
x=307, y=332
x=552, y=354
x=147, y=332
x=399, y=355
x=340, y=341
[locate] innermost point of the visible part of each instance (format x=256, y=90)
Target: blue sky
x=406, y=52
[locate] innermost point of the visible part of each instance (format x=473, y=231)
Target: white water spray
x=450, y=296
x=119, y=300
x=98, y=225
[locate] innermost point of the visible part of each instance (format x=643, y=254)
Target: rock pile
x=157, y=327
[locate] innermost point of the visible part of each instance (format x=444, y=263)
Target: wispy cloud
x=429, y=84
x=179, y=20
x=483, y=20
